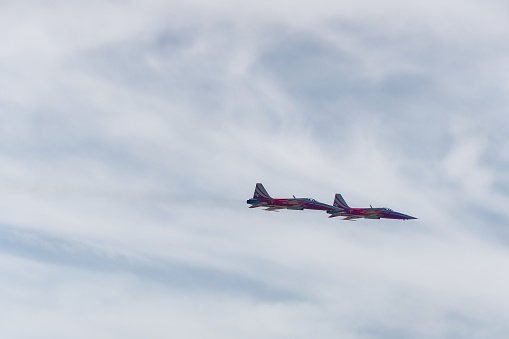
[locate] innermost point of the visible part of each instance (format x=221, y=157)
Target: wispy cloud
x=131, y=134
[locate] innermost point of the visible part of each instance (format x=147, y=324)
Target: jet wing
x=338, y=214
x=351, y=217
x=274, y=208
x=346, y=215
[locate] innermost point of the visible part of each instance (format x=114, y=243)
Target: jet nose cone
x=396, y=215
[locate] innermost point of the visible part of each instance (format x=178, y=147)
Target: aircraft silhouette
x=343, y=210
x=262, y=199
x=339, y=209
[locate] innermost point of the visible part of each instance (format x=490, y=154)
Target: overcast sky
x=133, y=132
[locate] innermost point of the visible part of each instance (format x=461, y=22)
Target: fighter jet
x=262, y=199
x=343, y=210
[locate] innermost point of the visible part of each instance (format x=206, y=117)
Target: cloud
x=132, y=133
x=44, y=248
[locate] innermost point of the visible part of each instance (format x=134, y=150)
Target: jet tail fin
x=260, y=192
x=339, y=202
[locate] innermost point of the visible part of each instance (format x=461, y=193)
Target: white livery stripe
x=261, y=192
x=340, y=202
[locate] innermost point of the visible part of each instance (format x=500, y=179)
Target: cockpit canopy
x=387, y=209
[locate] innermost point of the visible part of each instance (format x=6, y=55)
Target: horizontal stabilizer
x=258, y=205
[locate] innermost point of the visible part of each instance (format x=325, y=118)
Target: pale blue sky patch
x=184, y=277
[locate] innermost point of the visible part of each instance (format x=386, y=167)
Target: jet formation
x=339, y=208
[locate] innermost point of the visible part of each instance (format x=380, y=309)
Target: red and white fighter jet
x=343, y=210
x=262, y=199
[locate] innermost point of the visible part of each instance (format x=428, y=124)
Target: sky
x=133, y=132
